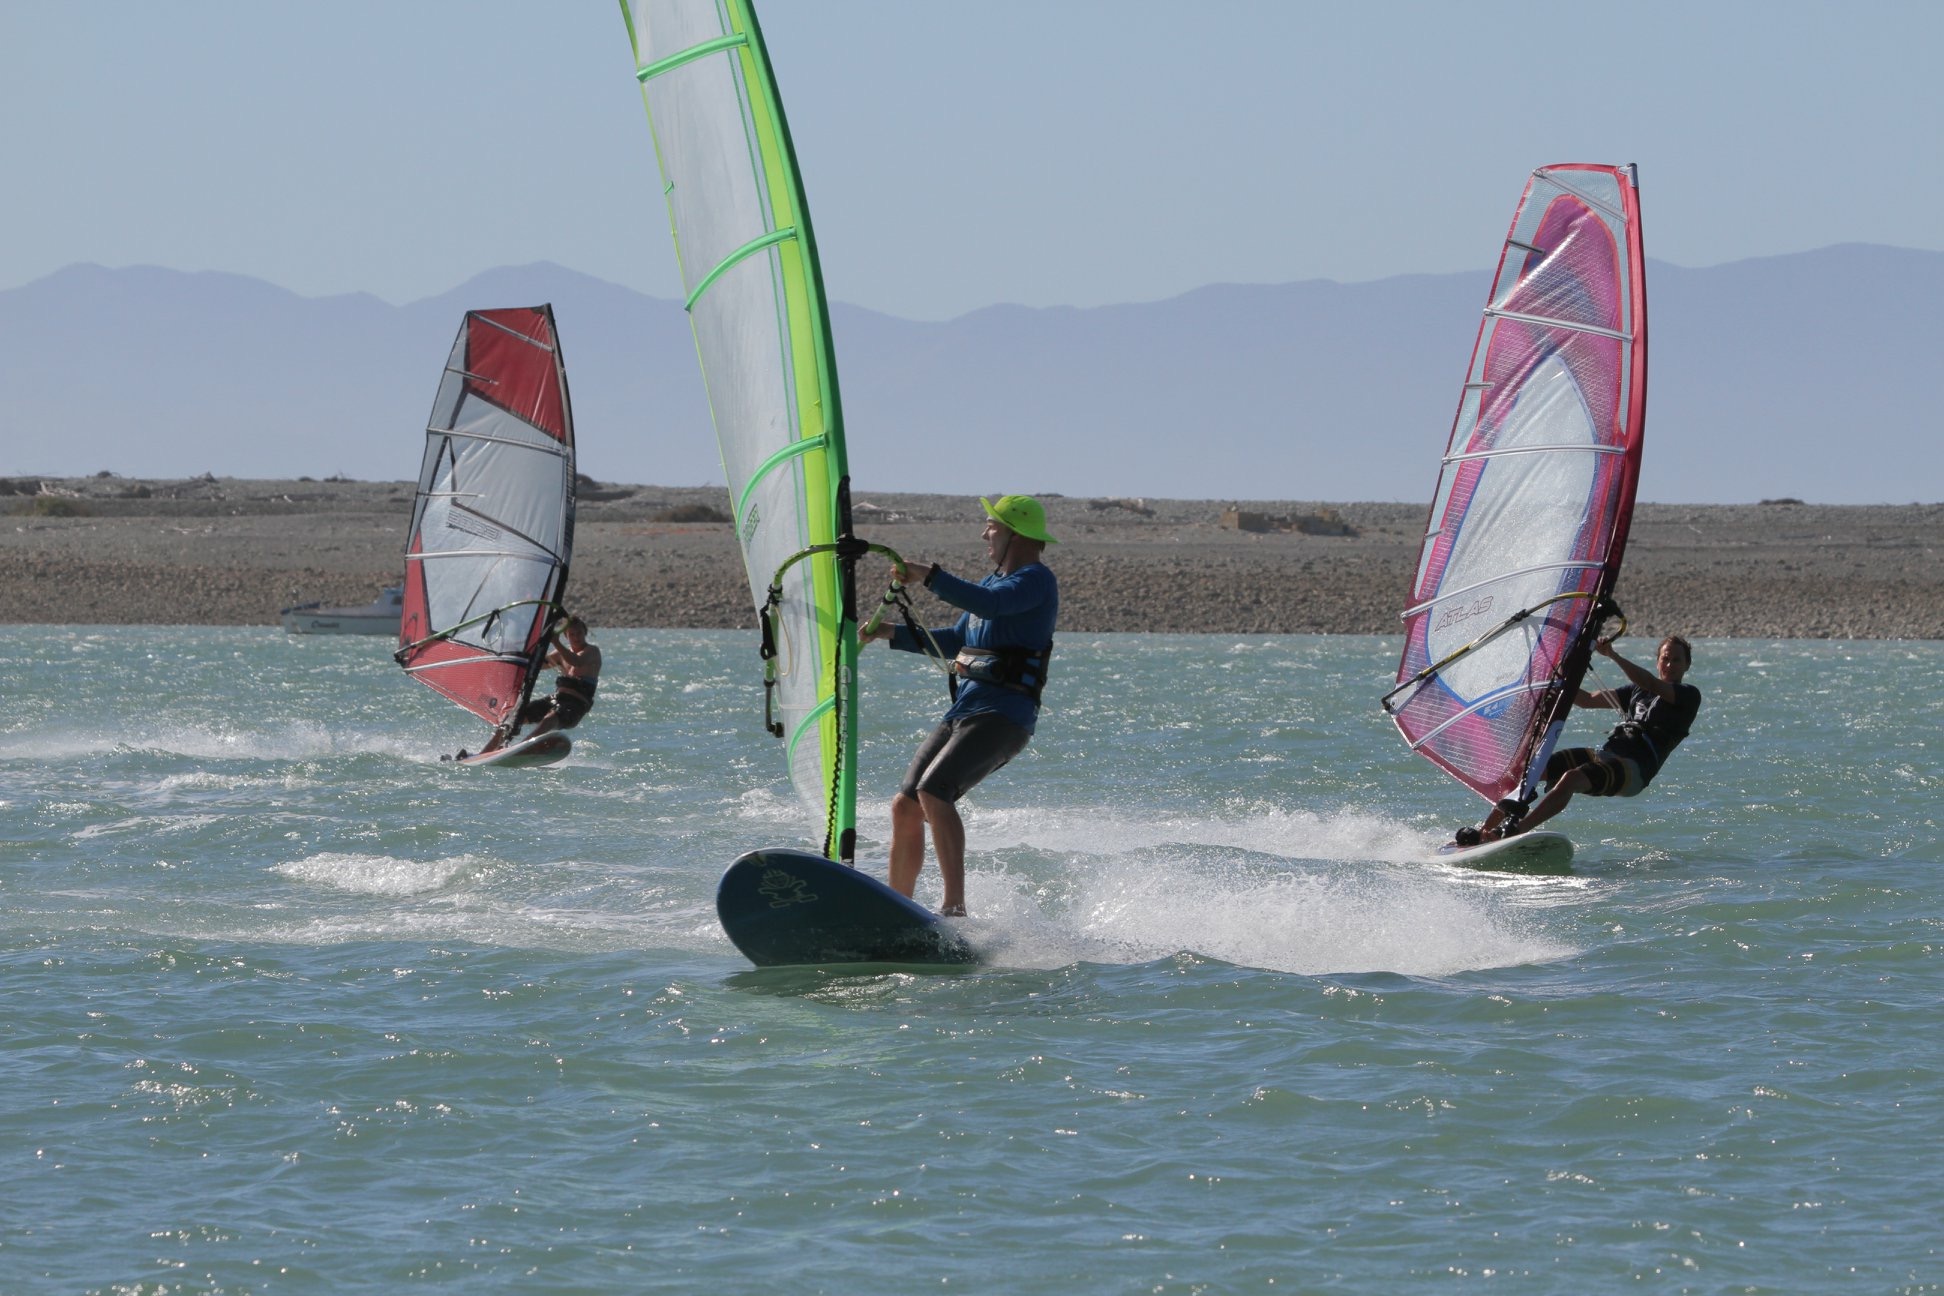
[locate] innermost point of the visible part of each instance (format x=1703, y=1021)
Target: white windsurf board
x=1533, y=852
x=541, y=749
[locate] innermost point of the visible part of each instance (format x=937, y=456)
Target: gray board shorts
x=960, y=753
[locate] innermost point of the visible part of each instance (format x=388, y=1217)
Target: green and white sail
x=755, y=300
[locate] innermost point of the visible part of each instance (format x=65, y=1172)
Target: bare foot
x=951, y=911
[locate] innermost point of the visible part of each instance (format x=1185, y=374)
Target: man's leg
x=908, y=817
x=907, y=843
x=500, y=736
x=564, y=711
x=957, y=756
x=1565, y=761
x=507, y=732
x=1555, y=800
x=948, y=843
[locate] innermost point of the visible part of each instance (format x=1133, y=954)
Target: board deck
x=1533, y=852
x=542, y=749
x=789, y=907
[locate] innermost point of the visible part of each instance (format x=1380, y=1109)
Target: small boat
x=380, y=616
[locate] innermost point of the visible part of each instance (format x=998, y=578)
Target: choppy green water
x=291, y=1006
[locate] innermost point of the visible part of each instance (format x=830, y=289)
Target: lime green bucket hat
x=1020, y=513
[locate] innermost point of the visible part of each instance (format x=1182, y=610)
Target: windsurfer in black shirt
x=1659, y=710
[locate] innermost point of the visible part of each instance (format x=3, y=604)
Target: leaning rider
x=999, y=649
x=1659, y=710
x=579, y=664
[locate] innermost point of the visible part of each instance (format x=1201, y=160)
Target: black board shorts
x=1607, y=775
x=570, y=707
x=960, y=753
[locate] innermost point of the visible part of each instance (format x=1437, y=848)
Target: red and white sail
x=493, y=525
x=1536, y=489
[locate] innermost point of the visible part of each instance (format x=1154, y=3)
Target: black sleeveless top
x=1653, y=727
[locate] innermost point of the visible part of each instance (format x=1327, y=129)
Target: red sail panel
x=490, y=688
x=1529, y=523
x=510, y=362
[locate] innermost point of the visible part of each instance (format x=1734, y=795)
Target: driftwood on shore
x=225, y=551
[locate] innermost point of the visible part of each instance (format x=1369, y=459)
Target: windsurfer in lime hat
x=998, y=649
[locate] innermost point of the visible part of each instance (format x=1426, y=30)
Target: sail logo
x=783, y=888
x=470, y=524
x=1458, y=614
x=751, y=520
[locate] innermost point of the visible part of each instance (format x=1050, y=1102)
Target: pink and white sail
x=1536, y=488
x=493, y=524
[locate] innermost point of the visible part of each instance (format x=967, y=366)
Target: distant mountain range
x=1811, y=376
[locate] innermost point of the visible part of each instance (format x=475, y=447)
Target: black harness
x=1022, y=670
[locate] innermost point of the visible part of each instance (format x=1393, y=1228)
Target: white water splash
x=384, y=875
x=1347, y=892
x=301, y=741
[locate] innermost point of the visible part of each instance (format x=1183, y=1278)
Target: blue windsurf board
x=787, y=907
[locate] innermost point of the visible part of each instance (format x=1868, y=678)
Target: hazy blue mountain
x=158, y=373
x=1313, y=390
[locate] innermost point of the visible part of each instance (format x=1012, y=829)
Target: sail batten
x=1494, y=699
x=461, y=434
x=1539, y=449
x=689, y=55
x=1446, y=596
x=1595, y=197
x=493, y=521
x=734, y=259
x=424, y=667
x=1529, y=521
x=549, y=558
x=1570, y=325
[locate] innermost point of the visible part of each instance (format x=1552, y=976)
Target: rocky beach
x=224, y=551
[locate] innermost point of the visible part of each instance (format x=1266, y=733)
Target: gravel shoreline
x=226, y=551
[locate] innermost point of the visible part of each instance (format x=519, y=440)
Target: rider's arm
x=569, y=662
x=1639, y=676
x=1010, y=595
x=948, y=638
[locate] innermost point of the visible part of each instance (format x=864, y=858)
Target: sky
x=959, y=155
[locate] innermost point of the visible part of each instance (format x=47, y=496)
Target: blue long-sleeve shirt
x=1014, y=610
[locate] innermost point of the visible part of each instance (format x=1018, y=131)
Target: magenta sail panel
x=1536, y=489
